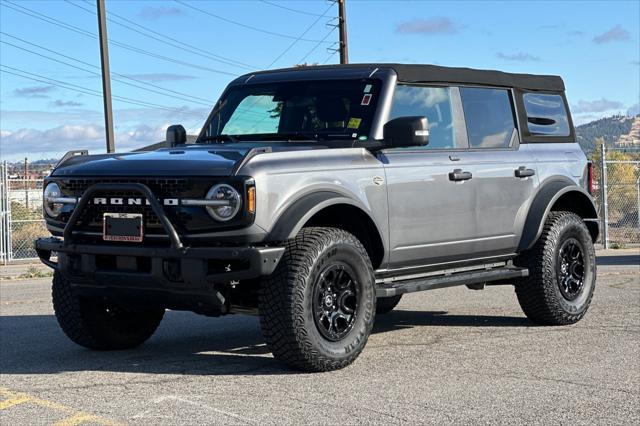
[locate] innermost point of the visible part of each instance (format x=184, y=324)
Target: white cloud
x=153, y=13
x=598, y=105
x=439, y=25
x=616, y=33
x=54, y=141
x=520, y=56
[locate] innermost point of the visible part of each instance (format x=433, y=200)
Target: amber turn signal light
x=251, y=200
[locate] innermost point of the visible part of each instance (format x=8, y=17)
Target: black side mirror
x=176, y=135
x=406, y=131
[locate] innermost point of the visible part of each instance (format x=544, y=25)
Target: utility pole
x=342, y=23
x=106, y=75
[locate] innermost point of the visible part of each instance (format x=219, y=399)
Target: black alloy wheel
x=335, y=301
x=570, y=269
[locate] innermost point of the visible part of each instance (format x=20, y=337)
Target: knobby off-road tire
x=320, y=266
x=384, y=305
x=96, y=325
x=562, y=272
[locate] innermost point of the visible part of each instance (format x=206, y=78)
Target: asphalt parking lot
x=446, y=356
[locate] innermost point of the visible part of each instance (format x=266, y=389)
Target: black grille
x=92, y=216
x=162, y=188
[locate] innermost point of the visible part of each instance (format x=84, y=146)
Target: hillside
x=615, y=130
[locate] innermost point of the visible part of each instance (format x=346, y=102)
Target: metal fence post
x=5, y=216
x=2, y=214
x=638, y=206
x=605, y=204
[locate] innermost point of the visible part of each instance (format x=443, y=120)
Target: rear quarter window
x=546, y=114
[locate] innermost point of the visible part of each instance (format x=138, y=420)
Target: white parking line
x=159, y=400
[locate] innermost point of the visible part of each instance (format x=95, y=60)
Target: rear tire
x=95, y=324
x=562, y=272
x=384, y=305
x=318, y=307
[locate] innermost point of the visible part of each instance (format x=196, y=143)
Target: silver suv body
x=438, y=176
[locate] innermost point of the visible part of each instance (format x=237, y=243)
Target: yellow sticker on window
x=354, y=123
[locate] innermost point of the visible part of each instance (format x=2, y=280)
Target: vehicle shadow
x=619, y=260
x=399, y=319
x=184, y=344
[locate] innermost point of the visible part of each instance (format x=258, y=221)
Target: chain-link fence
x=618, y=174
x=21, y=209
x=21, y=202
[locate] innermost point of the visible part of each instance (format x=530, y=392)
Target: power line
x=75, y=29
x=180, y=45
x=290, y=9
x=182, y=97
x=301, y=35
x=329, y=58
x=46, y=80
x=85, y=90
x=189, y=97
x=240, y=24
x=301, y=61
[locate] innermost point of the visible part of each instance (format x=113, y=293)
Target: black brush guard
x=173, y=273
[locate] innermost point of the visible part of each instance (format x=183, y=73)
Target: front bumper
x=191, y=278
x=196, y=264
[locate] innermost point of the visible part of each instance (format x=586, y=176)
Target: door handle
x=458, y=175
x=523, y=172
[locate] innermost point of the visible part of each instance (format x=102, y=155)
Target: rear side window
x=546, y=114
x=489, y=117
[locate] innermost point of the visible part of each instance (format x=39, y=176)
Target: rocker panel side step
x=450, y=280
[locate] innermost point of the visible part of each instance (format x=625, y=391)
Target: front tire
x=99, y=325
x=318, y=307
x=562, y=272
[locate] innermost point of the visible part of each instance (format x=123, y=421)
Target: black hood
x=186, y=160
x=205, y=160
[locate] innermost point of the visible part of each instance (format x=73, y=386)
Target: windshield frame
x=387, y=77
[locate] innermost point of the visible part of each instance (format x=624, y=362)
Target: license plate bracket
x=127, y=227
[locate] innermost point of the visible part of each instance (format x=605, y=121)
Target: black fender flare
x=304, y=208
x=548, y=194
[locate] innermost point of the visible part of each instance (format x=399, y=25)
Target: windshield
x=298, y=110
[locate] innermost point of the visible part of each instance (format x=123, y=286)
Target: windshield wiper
x=219, y=138
x=293, y=136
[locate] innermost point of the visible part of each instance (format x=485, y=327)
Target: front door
x=431, y=190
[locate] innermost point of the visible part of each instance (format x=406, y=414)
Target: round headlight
x=52, y=191
x=229, y=199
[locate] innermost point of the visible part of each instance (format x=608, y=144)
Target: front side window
x=435, y=103
x=489, y=117
x=295, y=110
x=546, y=114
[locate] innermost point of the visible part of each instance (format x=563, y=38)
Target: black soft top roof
x=411, y=73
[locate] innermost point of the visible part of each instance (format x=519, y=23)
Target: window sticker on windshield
x=366, y=99
x=367, y=88
x=354, y=123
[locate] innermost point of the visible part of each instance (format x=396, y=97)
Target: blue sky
x=593, y=45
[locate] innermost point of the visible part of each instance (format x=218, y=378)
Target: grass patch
x=33, y=272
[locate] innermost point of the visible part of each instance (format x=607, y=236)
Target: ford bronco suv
x=316, y=197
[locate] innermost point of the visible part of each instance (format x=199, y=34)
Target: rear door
x=505, y=171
